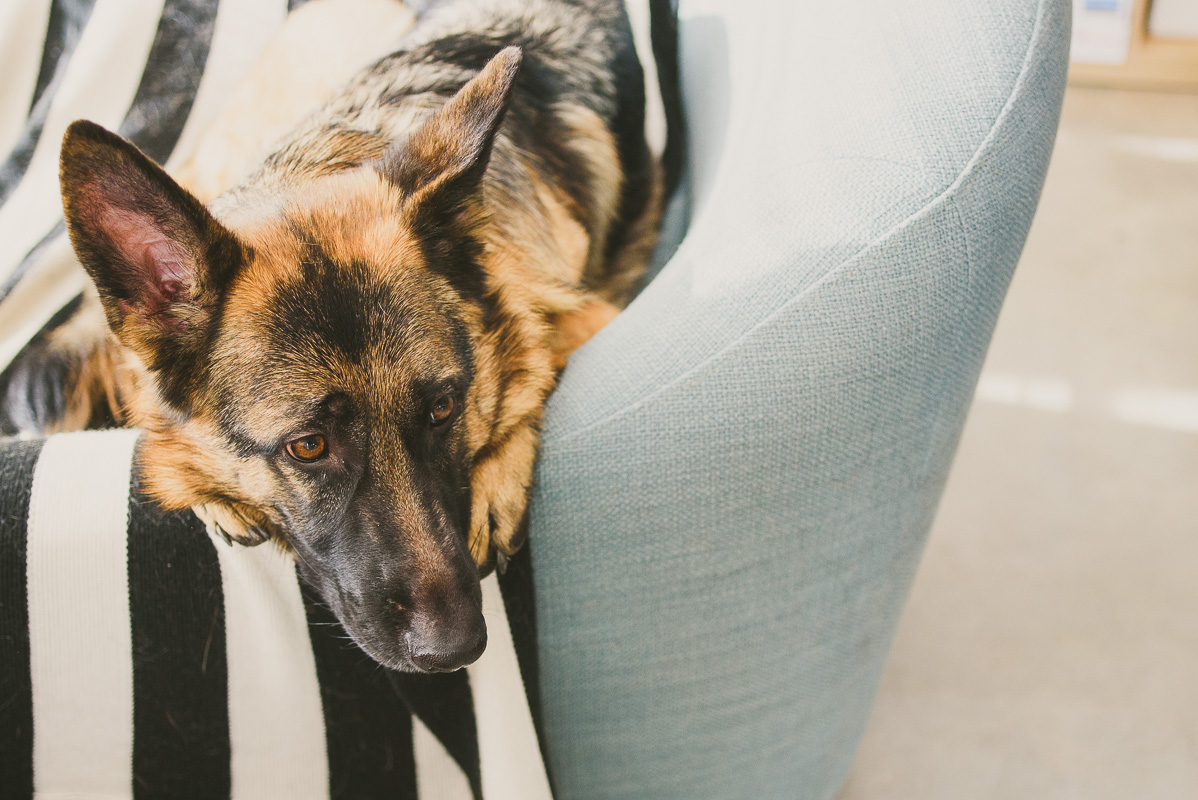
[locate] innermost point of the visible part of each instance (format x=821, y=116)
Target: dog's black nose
x=436, y=661
x=445, y=647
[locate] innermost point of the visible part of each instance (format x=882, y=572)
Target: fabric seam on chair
x=1034, y=40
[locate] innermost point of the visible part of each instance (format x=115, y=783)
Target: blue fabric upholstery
x=738, y=475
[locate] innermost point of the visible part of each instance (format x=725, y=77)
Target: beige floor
x=1050, y=647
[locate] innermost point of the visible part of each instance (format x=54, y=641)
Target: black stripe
x=519, y=600
x=67, y=20
x=171, y=77
x=180, y=673
x=445, y=705
x=368, y=728
x=663, y=31
x=164, y=97
x=63, y=28
x=628, y=127
x=17, y=460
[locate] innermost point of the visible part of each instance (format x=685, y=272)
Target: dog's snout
x=446, y=638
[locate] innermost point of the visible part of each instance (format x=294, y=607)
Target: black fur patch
x=628, y=127
x=331, y=306
x=455, y=257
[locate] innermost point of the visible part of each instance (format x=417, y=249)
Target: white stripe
x=1159, y=408
x=23, y=25
x=80, y=651
x=655, y=114
x=438, y=776
x=52, y=282
x=1183, y=150
x=100, y=83
x=276, y=722
x=321, y=45
x=1172, y=409
x=242, y=30
x=1043, y=394
x=510, y=758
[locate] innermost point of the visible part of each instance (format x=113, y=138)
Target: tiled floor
x=1050, y=647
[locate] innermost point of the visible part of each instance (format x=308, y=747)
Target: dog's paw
x=234, y=523
x=497, y=529
x=500, y=488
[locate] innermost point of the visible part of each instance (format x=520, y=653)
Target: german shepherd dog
x=349, y=352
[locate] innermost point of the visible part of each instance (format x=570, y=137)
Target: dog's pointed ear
x=158, y=257
x=441, y=165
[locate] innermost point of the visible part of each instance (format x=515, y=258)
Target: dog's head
x=311, y=362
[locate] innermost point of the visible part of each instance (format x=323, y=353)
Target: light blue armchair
x=738, y=475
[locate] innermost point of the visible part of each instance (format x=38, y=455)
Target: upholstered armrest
x=738, y=474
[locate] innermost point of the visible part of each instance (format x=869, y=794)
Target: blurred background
x=1050, y=646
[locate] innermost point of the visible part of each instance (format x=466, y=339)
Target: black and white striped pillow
x=141, y=656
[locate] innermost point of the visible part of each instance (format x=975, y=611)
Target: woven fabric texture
x=739, y=473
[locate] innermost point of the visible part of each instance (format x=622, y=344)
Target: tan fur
x=593, y=141
x=573, y=329
x=628, y=264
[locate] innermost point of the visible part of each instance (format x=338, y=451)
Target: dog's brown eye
x=308, y=449
x=442, y=410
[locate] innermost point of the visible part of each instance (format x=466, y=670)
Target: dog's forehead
x=333, y=303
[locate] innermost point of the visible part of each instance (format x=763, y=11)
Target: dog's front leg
x=499, y=489
x=502, y=476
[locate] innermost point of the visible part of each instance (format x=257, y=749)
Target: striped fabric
x=141, y=657
x=157, y=71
